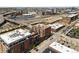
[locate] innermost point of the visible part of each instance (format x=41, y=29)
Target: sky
x=39, y=3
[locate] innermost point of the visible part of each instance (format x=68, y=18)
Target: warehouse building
x=59, y=48
x=56, y=26
x=73, y=17
x=14, y=37
x=6, y=26
x=15, y=41
x=69, y=18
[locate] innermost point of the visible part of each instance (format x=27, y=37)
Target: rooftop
x=72, y=15
x=6, y=26
x=56, y=25
x=61, y=48
x=41, y=25
x=52, y=19
x=13, y=36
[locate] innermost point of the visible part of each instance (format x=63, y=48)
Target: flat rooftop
x=52, y=19
x=8, y=25
x=56, y=25
x=61, y=48
x=14, y=35
x=72, y=15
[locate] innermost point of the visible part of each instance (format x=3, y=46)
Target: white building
x=56, y=26
x=13, y=36
x=57, y=47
